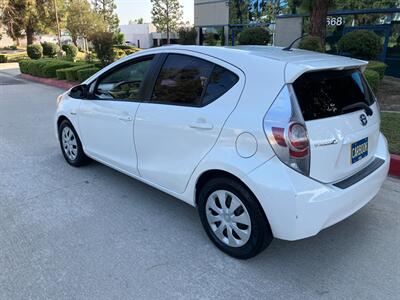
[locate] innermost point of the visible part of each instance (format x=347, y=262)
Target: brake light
x=286, y=131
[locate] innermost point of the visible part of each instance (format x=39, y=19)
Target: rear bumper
x=298, y=207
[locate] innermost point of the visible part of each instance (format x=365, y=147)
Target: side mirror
x=79, y=91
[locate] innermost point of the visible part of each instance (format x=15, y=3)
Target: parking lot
x=94, y=233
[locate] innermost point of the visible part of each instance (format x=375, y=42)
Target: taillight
x=286, y=131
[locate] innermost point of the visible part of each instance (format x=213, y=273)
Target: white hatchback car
x=265, y=142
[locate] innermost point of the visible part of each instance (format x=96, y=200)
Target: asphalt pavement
x=94, y=233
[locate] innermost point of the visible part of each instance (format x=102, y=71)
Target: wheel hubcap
x=69, y=143
x=228, y=218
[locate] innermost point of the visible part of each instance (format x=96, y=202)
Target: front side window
x=182, y=80
x=125, y=82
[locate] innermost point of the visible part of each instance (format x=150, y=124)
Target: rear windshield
x=330, y=93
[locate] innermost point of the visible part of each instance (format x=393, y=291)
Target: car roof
x=297, y=61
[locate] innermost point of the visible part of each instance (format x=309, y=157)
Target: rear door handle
x=201, y=125
x=125, y=118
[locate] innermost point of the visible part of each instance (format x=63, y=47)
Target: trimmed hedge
x=377, y=66
x=44, y=67
x=86, y=73
x=50, y=49
x=71, y=74
x=3, y=58
x=254, y=36
x=35, y=51
x=311, y=43
x=373, y=79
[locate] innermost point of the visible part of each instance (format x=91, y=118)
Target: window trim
x=157, y=72
x=142, y=91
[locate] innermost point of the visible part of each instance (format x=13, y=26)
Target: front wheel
x=71, y=145
x=233, y=219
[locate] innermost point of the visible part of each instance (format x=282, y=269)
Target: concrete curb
x=62, y=84
x=394, y=168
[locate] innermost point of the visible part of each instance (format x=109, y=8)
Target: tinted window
x=220, y=82
x=329, y=93
x=182, y=80
x=125, y=82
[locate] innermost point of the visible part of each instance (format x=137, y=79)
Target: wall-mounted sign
x=334, y=21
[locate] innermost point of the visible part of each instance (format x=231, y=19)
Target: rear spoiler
x=295, y=70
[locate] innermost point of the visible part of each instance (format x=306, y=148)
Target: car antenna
x=289, y=48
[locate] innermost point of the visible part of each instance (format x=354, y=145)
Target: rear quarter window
x=327, y=94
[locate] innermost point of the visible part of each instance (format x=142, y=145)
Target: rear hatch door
x=343, y=134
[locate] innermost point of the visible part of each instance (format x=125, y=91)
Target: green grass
x=390, y=127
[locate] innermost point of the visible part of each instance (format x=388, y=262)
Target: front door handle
x=125, y=118
x=201, y=125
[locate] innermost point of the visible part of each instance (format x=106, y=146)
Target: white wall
x=139, y=32
x=211, y=12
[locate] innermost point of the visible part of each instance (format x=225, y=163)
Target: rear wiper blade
x=360, y=105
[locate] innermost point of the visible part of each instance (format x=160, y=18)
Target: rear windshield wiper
x=360, y=105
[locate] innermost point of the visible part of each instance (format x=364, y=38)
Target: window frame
x=156, y=74
x=142, y=91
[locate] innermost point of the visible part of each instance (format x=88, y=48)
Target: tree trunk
x=29, y=33
x=318, y=16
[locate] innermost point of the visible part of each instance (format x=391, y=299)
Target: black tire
x=260, y=235
x=81, y=158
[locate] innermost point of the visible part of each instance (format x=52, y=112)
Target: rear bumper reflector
x=375, y=164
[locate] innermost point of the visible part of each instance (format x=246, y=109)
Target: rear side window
x=182, y=80
x=330, y=93
x=221, y=81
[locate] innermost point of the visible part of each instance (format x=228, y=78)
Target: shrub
x=23, y=65
x=119, y=38
x=254, y=36
x=119, y=53
x=86, y=73
x=71, y=74
x=377, y=66
x=373, y=79
x=35, y=51
x=3, y=58
x=187, y=36
x=103, y=46
x=211, y=38
x=50, y=49
x=363, y=44
x=127, y=49
x=312, y=43
x=70, y=51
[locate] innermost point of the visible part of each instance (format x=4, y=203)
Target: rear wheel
x=71, y=145
x=233, y=218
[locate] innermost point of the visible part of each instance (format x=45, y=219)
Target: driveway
x=94, y=233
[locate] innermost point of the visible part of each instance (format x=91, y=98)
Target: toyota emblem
x=363, y=119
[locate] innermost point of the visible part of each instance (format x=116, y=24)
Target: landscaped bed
x=390, y=127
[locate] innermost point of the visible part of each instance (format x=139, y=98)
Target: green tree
x=32, y=16
x=82, y=20
x=136, y=21
x=166, y=15
x=12, y=20
x=106, y=8
x=187, y=35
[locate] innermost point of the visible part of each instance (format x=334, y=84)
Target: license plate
x=359, y=150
